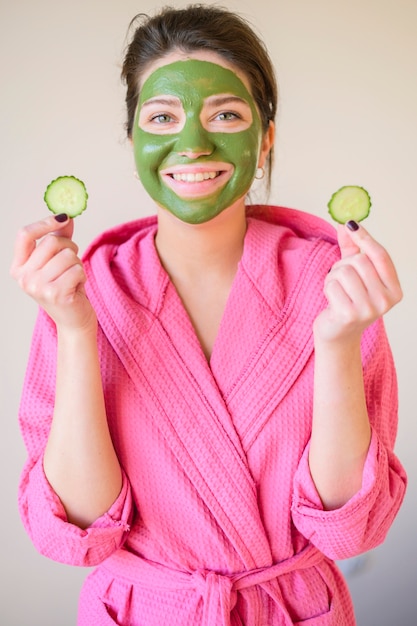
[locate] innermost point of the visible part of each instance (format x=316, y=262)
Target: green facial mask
x=192, y=82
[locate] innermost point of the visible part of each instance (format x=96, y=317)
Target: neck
x=194, y=252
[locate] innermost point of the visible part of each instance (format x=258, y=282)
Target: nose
x=194, y=140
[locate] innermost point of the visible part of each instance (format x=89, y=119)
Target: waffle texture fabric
x=218, y=521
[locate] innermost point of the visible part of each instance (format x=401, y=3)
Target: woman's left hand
x=359, y=288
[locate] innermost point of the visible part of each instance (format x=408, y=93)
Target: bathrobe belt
x=218, y=591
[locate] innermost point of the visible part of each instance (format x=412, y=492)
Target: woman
x=210, y=405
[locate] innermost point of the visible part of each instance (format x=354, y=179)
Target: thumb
x=347, y=246
x=66, y=230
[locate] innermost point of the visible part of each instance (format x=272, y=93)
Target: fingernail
x=352, y=225
x=62, y=217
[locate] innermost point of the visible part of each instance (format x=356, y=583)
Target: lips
x=197, y=180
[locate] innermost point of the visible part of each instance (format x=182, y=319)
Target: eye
x=161, y=118
x=227, y=116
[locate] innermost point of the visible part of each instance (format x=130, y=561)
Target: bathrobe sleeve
x=41, y=510
x=363, y=522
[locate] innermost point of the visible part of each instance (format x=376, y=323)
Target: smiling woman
x=204, y=410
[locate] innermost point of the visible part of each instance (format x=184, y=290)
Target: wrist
x=342, y=346
x=81, y=332
x=340, y=338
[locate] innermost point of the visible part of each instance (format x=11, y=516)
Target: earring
x=260, y=173
x=135, y=174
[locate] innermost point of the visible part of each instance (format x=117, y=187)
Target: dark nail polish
x=62, y=217
x=352, y=225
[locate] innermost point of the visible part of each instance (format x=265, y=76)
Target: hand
x=360, y=288
x=46, y=266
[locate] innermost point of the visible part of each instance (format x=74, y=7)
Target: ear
x=267, y=143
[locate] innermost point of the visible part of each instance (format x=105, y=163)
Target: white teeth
x=194, y=178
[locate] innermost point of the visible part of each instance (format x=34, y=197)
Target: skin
x=360, y=288
x=201, y=255
x=196, y=118
x=80, y=462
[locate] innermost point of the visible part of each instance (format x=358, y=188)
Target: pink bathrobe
x=218, y=521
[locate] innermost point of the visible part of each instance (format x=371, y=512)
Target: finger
x=51, y=281
x=378, y=255
x=64, y=279
x=347, y=281
x=60, y=264
x=50, y=246
x=346, y=244
x=66, y=230
x=362, y=285
x=28, y=236
x=357, y=264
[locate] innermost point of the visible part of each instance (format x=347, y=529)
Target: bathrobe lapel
x=281, y=297
x=193, y=418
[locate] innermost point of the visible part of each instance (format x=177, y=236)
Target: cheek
x=243, y=148
x=150, y=150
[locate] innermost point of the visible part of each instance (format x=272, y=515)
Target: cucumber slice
x=349, y=203
x=66, y=194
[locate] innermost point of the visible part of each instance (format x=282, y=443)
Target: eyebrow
x=162, y=101
x=228, y=99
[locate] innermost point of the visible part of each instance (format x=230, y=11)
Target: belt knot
x=218, y=595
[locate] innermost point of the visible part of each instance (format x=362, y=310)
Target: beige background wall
x=348, y=78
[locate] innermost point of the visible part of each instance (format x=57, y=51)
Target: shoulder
x=122, y=265
x=290, y=235
x=303, y=225
x=121, y=235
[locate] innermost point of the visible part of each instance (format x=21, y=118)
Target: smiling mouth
x=197, y=181
x=197, y=177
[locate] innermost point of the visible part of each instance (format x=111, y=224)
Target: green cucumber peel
x=66, y=194
x=350, y=202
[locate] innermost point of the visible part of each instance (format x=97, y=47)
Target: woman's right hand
x=47, y=267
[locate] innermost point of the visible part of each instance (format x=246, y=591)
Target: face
x=197, y=137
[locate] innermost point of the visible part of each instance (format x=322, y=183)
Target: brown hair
x=199, y=27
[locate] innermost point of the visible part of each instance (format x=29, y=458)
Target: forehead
x=202, y=75
x=199, y=55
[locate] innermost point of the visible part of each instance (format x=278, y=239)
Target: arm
x=364, y=521
x=361, y=287
x=79, y=462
